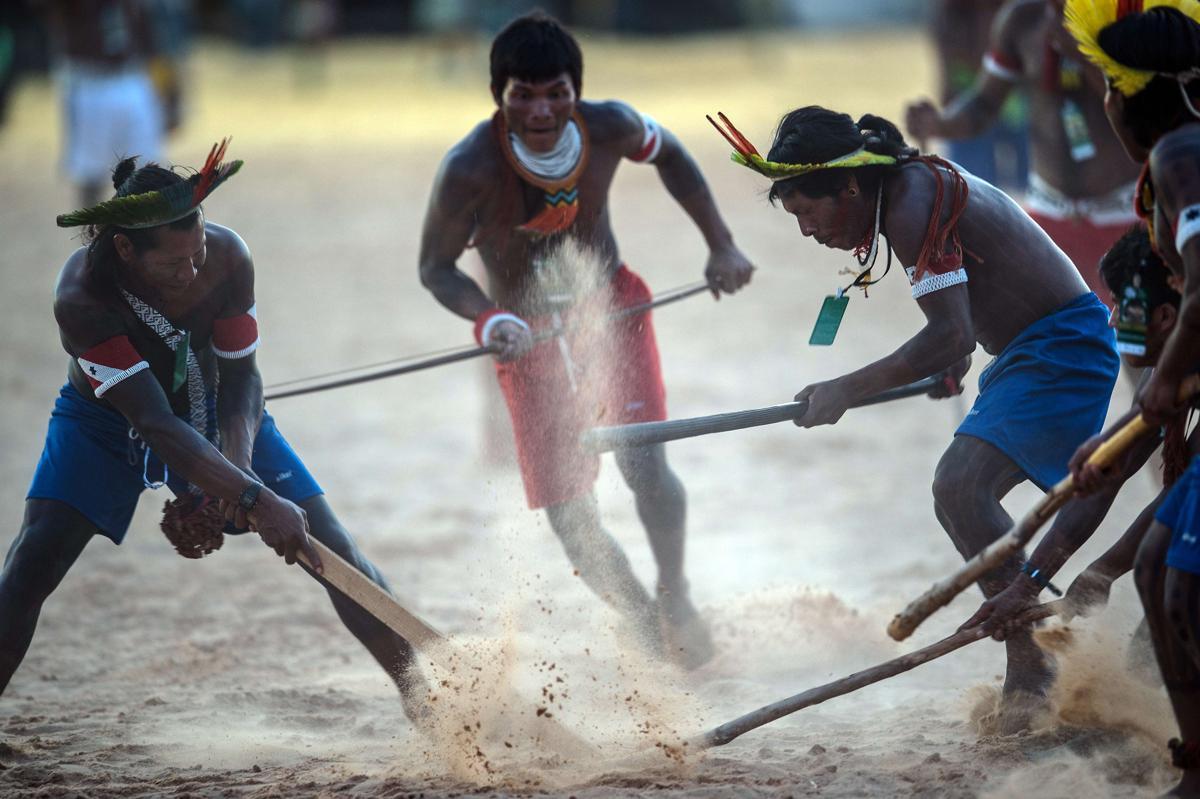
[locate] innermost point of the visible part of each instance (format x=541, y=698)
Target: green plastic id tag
x=181, y=356
x=828, y=320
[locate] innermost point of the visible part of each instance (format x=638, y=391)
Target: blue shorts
x=1180, y=511
x=91, y=463
x=1048, y=391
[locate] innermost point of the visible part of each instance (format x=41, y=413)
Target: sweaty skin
x=477, y=198
x=474, y=196
x=1016, y=276
x=1175, y=170
x=1030, y=30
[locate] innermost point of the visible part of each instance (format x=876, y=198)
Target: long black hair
x=813, y=134
x=128, y=179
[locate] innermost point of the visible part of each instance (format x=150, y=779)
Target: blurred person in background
x=961, y=30
x=537, y=172
x=1081, y=183
x=111, y=108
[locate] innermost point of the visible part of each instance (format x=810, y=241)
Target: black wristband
x=1039, y=579
x=249, y=497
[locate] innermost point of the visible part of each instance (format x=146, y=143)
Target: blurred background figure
x=1080, y=182
x=110, y=105
x=1000, y=154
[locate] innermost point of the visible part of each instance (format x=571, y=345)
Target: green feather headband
x=745, y=154
x=154, y=208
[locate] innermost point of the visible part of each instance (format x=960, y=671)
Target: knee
x=948, y=489
x=1149, y=566
x=651, y=476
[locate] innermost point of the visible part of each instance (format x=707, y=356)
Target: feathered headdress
x=745, y=154
x=160, y=207
x=1087, y=18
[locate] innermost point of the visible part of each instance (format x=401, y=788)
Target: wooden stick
x=467, y=354
x=723, y=734
x=1003, y=548
x=379, y=603
x=605, y=439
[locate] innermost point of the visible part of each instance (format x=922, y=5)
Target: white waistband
x=1113, y=208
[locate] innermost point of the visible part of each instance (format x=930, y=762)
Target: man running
x=537, y=172
x=1080, y=186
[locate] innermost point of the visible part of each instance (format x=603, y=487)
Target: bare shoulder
x=82, y=308
x=225, y=246
x=909, y=195
x=76, y=289
x=1175, y=167
x=473, y=163
x=611, y=122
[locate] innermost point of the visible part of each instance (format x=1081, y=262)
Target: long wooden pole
x=466, y=354
x=723, y=734
x=1003, y=548
x=605, y=439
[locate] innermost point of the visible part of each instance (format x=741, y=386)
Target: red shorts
x=1085, y=243
x=601, y=372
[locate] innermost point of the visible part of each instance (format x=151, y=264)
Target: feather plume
x=1085, y=19
x=154, y=208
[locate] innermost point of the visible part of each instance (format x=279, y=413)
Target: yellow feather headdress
x=745, y=154
x=1087, y=18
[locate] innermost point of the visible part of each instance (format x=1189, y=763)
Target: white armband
x=485, y=332
x=1186, y=226
x=932, y=282
x=993, y=66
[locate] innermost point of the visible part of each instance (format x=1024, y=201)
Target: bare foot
x=685, y=636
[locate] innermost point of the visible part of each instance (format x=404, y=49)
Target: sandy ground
x=231, y=676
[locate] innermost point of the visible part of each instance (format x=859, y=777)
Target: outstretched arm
x=727, y=269
x=976, y=109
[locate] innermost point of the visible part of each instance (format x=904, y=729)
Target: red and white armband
x=651, y=142
x=1186, y=226
x=237, y=336
x=1002, y=66
x=486, y=322
x=110, y=362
